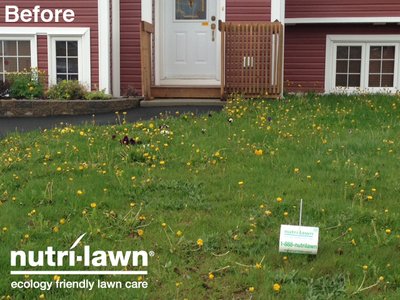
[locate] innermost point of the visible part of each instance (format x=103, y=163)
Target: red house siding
x=305, y=61
x=130, y=44
x=342, y=8
x=86, y=15
x=247, y=11
x=42, y=52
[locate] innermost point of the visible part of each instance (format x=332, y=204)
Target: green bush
x=97, y=95
x=26, y=85
x=67, y=90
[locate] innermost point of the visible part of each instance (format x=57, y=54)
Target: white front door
x=189, y=42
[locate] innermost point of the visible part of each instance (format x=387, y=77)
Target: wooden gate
x=252, y=61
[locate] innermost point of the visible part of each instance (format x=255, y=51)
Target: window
x=15, y=56
x=348, y=66
x=362, y=63
x=381, y=66
x=67, y=60
x=190, y=9
x=69, y=56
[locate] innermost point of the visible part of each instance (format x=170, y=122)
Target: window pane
x=355, y=52
x=375, y=66
x=73, y=48
x=61, y=65
x=342, y=52
x=354, y=80
x=24, y=48
x=61, y=48
x=388, y=66
x=341, y=66
x=387, y=80
x=374, y=81
x=341, y=80
x=355, y=66
x=375, y=52
x=191, y=9
x=10, y=48
x=10, y=64
x=1, y=48
x=61, y=77
x=24, y=63
x=388, y=52
x=72, y=77
x=72, y=65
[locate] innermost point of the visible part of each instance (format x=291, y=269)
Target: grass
x=203, y=193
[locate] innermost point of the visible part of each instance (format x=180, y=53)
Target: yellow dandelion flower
x=259, y=152
x=140, y=232
x=296, y=170
x=56, y=278
x=251, y=289
x=365, y=267
x=258, y=266
x=285, y=214
x=279, y=199
x=93, y=205
x=62, y=221
x=200, y=243
x=56, y=229
x=42, y=296
x=276, y=287
x=388, y=231
x=179, y=233
x=353, y=242
x=164, y=225
x=268, y=213
x=211, y=276
x=79, y=192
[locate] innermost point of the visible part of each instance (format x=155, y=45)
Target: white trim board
x=278, y=10
x=344, y=20
x=104, y=45
x=364, y=41
x=116, y=49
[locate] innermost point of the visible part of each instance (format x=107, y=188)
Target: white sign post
x=299, y=239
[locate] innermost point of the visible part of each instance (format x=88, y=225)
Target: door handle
x=213, y=28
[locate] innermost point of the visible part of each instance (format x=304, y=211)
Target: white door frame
x=159, y=53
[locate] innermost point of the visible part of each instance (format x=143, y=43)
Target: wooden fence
x=252, y=61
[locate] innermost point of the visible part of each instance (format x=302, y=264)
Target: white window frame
x=365, y=41
x=22, y=37
x=84, y=68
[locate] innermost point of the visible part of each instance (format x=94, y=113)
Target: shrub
x=97, y=95
x=26, y=85
x=67, y=90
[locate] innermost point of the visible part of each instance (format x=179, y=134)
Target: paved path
x=8, y=125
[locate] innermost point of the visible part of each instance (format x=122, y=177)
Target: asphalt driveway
x=8, y=125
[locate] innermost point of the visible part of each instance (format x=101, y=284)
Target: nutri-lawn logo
x=52, y=262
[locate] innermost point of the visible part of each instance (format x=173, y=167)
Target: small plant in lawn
x=67, y=90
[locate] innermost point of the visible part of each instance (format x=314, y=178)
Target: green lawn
x=216, y=178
